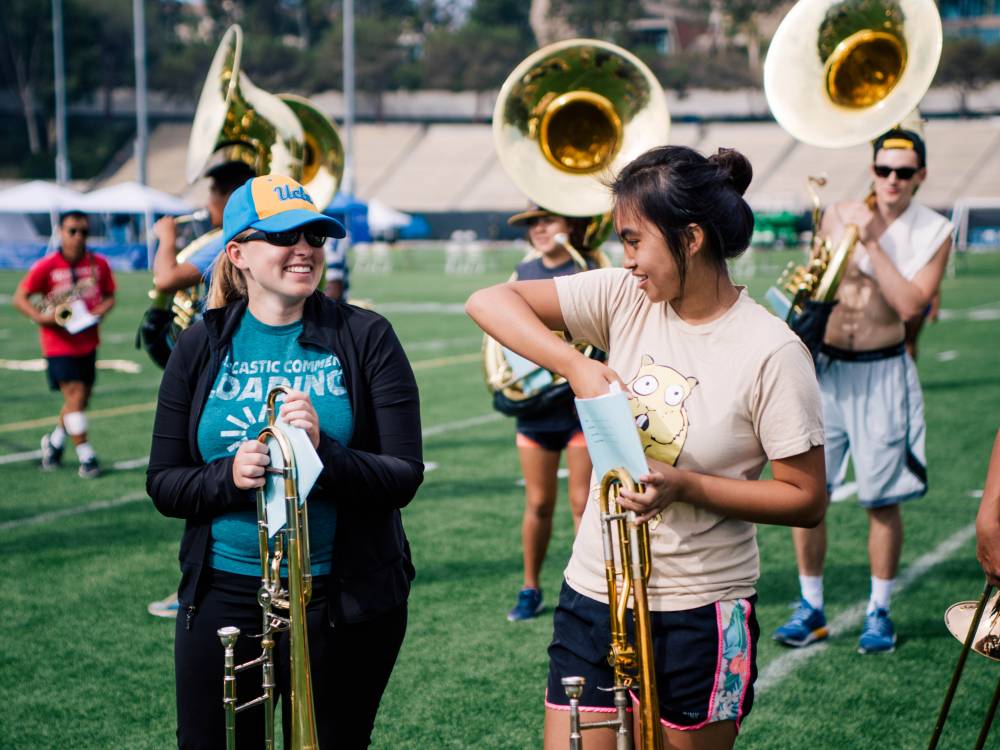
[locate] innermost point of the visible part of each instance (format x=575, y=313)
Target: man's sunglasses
x=76, y=230
x=286, y=239
x=903, y=173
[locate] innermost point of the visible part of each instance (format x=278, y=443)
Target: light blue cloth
x=261, y=357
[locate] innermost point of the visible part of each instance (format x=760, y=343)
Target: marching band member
x=357, y=401
x=75, y=272
x=543, y=435
x=872, y=405
x=170, y=276
x=718, y=387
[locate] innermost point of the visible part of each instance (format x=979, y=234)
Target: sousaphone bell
x=566, y=120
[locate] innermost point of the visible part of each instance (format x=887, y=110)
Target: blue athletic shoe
x=529, y=604
x=806, y=625
x=878, y=635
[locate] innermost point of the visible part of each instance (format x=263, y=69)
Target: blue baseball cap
x=274, y=203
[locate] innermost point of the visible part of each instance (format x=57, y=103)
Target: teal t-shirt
x=261, y=357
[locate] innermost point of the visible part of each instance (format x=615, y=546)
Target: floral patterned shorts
x=706, y=659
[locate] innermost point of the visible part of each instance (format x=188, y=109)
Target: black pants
x=350, y=667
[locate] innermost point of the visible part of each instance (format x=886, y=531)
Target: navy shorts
x=706, y=659
x=72, y=369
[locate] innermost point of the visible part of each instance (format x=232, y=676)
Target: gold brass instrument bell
x=572, y=114
x=567, y=118
x=977, y=625
x=291, y=544
x=839, y=73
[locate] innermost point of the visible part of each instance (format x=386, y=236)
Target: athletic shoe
x=89, y=469
x=806, y=625
x=878, y=635
x=529, y=604
x=164, y=607
x=51, y=456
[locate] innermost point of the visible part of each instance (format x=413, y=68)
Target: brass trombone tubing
x=957, y=675
x=630, y=662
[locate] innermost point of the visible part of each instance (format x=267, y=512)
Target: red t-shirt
x=53, y=274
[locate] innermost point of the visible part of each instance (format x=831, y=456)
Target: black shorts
x=72, y=369
x=706, y=659
x=551, y=440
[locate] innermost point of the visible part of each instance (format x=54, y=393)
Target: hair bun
x=734, y=168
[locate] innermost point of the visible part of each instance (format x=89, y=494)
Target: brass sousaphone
x=237, y=121
x=839, y=73
x=567, y=119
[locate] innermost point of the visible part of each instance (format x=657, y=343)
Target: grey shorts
x=874, y=414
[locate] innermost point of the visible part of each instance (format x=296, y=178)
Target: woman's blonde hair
x=228, y=284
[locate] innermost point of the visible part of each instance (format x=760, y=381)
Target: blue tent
x=353, y=213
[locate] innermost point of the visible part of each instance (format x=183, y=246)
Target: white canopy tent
x=39, y=197
x=382, y=218
x=133, y=198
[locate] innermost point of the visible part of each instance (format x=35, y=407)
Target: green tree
x=968, y=64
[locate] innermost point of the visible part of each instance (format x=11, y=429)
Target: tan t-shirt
x=720, y=398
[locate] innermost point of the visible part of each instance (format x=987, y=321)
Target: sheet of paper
x=309, y=467
x=612, y=438
x=533, y=378
x=81, y=318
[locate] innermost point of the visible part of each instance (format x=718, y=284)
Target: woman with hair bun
x=719, y=387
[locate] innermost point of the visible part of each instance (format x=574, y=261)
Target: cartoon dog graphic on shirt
x=656, y=396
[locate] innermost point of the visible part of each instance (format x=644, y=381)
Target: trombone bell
x=986, y=641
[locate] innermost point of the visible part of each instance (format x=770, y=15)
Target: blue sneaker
x=878, y=636
x=806, y=625
x=164, y=607
x=529, y=604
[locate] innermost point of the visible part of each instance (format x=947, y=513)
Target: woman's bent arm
x=795, y=497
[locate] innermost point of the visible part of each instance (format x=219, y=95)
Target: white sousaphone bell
x=842, y=72
x=566, y=120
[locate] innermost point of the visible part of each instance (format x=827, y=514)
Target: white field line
x=13, y=458
x=783, y=666
x=55, y=515
x=947, y=356
x=137, y=462
x=435, y=345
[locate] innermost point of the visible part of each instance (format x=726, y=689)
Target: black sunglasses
x=286, y=239
x=903, y=173
x=76, y=230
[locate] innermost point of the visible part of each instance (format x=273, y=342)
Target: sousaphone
x=566, y=120
x=237, y=121
x=839, y=73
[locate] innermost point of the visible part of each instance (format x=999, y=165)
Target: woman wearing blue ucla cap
x=354, y=394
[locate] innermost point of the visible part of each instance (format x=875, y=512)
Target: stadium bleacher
x=446, y=168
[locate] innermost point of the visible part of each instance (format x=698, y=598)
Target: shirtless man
x=872, y=404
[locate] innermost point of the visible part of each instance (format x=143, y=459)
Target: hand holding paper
x=612, y=439
x=309, y=467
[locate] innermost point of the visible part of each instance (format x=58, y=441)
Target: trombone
x=632, y=662
x=983, y=638
x=292, y=543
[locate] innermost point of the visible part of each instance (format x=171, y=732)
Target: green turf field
x=84, y=665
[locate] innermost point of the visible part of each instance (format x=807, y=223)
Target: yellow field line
x=29, y=424
x=96, y=414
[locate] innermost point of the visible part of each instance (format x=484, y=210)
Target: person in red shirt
x=71, y=356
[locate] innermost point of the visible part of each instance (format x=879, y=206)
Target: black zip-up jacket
x=371, y=478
